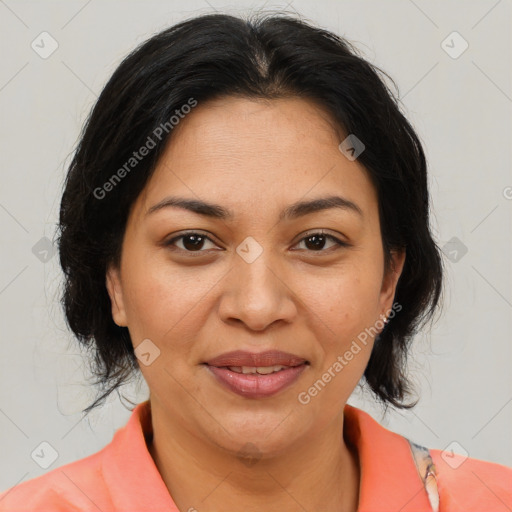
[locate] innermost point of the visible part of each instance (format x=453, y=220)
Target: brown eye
x=190, y=242
x=193, y=242
x=317, y=242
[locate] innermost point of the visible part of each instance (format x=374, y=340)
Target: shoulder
x=71, y=487
x=471, y=484
x=453, y=483
x=121, y=476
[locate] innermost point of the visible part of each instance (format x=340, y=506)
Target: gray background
x=461, y=109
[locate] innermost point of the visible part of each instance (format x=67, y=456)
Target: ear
x=115, y=291
x=390, y=280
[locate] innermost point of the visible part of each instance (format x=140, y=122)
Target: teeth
x=262, y=370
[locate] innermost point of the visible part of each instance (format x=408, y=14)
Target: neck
x=320, y=473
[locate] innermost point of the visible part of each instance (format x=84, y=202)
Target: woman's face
x=256, y=278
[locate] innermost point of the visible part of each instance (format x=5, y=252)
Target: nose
x=257, y=294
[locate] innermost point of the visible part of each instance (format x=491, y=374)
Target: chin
x=263, y=435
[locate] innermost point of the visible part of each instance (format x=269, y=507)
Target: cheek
x=345, y=308
x=160, y=299
x=347, y=298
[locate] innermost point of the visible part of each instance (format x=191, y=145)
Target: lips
x=254, y=360
x=257, y=375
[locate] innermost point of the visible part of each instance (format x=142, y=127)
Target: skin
x=254, y=158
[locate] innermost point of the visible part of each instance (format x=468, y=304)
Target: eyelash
x=338, y=242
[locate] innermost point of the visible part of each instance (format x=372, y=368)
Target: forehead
x=249, y=151
x=234, y=125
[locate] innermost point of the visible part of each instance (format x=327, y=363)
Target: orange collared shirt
x=123, y=477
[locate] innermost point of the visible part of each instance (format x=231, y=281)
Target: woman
x=246, y=221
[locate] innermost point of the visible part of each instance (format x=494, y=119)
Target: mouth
x=257, y=375
x=260, y=370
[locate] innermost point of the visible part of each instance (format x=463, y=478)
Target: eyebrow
x=293, y=211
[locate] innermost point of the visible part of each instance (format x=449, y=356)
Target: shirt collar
x=129, y=470
x=389, y=478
